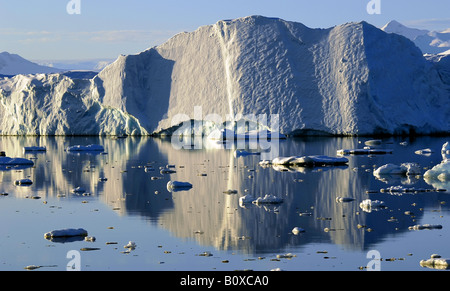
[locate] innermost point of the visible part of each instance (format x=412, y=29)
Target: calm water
x=173, y=230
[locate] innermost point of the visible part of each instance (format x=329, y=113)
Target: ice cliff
x=352, y=79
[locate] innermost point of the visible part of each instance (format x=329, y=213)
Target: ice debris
x=178, y=186
x=310, y=161
x=296, y=230
x=267, y=199
x=403, y=169
x=368, y=205
x=425, y=226
x=7, y=161
x=88, y=148
x=23, y=182
x=68, y=232
x=365, y=151
x=436, y=263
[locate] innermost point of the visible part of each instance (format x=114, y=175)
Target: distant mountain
x=351, y=79
x=12, y=64
x=95, y=65
x=430, y=42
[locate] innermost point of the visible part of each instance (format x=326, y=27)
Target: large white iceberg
x=350, y=79
x=441, y=171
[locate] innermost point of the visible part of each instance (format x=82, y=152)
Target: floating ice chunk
x=403, y=169
x=268, y=199
x=246, y=199
x=366, y=151
x=439, y=172
x=174, y=186
x=7, y=161
x=21, y=182
x=88, y=148
x=243, y=153
x=425, y=152
x=368, y=205
x=78, y=190
x=425, y=226
x=310, y=161
x=68, y=232
x=436, y=263
x=344, y=199
x=296, y=230
x=445, y=151
x=35, y=149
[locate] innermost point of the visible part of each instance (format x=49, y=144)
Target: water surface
x=206, y=229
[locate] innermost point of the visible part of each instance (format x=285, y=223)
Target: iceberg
x=7, y=161
x=310, y=161
x=441, y=171
x=366, y=151
x=350, y=79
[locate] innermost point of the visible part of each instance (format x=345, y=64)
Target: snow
x=369, y=205
x=351, y=79
x=430, y=42
x=12, y=64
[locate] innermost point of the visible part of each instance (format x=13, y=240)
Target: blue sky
x=43, y=30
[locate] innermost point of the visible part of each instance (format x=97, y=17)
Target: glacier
x=351, y=79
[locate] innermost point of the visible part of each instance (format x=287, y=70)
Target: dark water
x=174, y=230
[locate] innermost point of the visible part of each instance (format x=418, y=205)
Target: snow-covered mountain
x=352, y=79
x=12, y=64
x=430, y=42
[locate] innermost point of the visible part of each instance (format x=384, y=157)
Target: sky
x=94, y=29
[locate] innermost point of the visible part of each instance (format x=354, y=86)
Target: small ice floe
x=296, y=230
x=310, y=161
x=365, y=151
x=404, y=169
x=441, y=171
x=23, y=182
x=436, y=262
x=424, y=152
x=90, y=238
x=131, y=245
x=68, y=232
x=174, y=186
x=267, y=199
x=402, y=189
x=369, y=205
x=79, y=190
x=425, y=226
x=88, y=148
x=243, y=153
x=34, y=149
x=344, y=199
